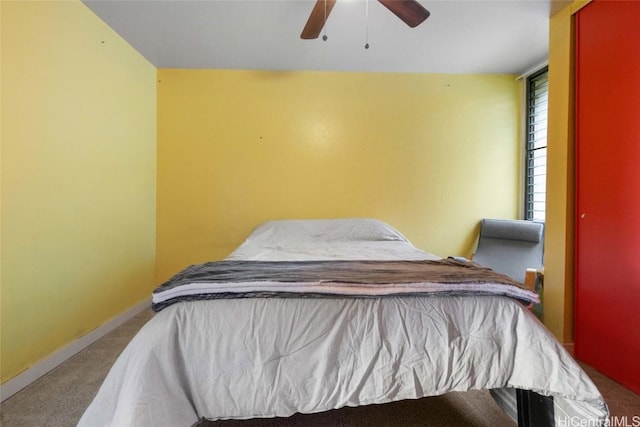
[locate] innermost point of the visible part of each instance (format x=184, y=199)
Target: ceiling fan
x=410, y=12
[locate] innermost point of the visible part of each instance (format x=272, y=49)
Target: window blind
x=536, y=145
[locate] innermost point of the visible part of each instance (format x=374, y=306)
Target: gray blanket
x=243, y=279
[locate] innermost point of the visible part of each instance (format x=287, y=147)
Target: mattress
x=273, y=357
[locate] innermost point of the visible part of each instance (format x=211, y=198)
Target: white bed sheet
x=247, y=358
x=343, y=239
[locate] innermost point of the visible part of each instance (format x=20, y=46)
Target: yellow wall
x=559, y=233
x=78, y=178
x=431, y=154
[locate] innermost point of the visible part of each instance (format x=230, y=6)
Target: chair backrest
x=510, y=246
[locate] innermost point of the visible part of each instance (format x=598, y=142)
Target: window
x=536, y=145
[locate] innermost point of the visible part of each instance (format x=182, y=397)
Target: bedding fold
x=329, y=278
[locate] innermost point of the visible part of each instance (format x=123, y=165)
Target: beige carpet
x=59, y=398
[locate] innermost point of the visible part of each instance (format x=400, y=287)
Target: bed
x=255, y=356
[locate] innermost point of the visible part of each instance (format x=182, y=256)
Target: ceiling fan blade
x=410, y=11
x=317, y=19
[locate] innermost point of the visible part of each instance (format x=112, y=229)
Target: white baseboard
x=45, y=365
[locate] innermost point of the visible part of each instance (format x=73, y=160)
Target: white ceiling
x=460, y=36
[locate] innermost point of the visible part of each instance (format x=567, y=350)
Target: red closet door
x=607, y=322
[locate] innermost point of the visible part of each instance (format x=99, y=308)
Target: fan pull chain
x=366, y=36
x=324, y=27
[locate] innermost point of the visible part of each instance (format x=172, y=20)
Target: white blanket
x=245, y=358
